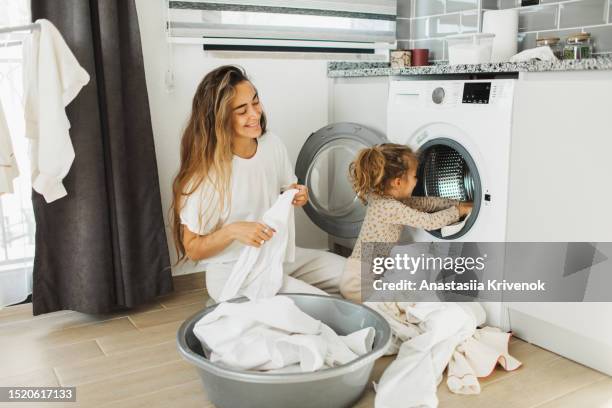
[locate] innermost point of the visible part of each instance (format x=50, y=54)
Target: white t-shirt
x=255, y=185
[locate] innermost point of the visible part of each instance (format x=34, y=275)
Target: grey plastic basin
x=334, y=387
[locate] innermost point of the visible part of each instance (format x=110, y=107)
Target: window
x=17, y=225
x=341, y=25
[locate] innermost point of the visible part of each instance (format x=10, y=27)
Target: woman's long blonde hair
x=375, y=166
x=206, y=148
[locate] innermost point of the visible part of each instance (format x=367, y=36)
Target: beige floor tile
x=131, y=385
x=531, y=356
x=117, y=364
x=15, y=313
x=36, y=378
x=188, y=395
x=143, y=320
x=189, y=282
x=183, y=298
x=87, y=332
x=118, y=343
x=367, y=399
x=41, y=326
x=596, y=395
x=531, y=387
x=32, y=358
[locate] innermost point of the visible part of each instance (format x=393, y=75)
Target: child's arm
x=430, y=204
x=399, y=213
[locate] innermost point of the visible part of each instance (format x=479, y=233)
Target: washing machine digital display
x=476, y=92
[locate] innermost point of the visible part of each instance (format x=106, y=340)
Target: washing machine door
x=323, y=166
x=448, y=170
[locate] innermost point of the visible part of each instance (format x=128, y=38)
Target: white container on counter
x=504, y=24
x=473, y=48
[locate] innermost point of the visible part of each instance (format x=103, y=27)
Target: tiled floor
x=130, y=360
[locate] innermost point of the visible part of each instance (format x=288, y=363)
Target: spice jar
x=554, y=43
x=400, y=58
x=578, y=46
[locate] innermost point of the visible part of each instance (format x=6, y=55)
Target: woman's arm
x=199, y=247
x=430, y=204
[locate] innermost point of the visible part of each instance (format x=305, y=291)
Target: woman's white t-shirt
x=255, y=185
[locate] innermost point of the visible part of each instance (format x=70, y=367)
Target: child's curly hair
x=375, y=166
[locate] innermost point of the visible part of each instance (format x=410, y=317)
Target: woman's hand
x=465, y=208
x=301, y=198
x=250, y=233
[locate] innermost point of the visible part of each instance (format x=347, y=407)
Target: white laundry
x=273, y=334
x=452, y=229
x=258, y=273
x=477, y=357
x=52, y=79
x=432, y=336
x=542, y=53
x=8, y=164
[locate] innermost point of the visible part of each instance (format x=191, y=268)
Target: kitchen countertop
x=367, y=69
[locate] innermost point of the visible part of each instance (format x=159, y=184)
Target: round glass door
x=328, y=180
x=447, y=170
x=323, y=166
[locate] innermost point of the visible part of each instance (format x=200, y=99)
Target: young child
x=383, y=177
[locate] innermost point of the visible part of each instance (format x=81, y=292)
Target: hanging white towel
x=52, y=79
x=258, y=273
x=432, y=336
x=273, y=334
x=8, y=164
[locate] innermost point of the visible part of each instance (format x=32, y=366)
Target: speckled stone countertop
x=365, y=69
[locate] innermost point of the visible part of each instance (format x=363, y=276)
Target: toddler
x=383, y=177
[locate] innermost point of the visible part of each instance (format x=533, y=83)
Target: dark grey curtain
x=103, y=247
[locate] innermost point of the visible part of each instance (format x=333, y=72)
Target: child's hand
x=465, y=208
x=301, y=198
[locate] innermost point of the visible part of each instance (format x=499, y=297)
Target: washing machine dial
x=437, y=95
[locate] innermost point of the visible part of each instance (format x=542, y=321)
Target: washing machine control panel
x=476, y=92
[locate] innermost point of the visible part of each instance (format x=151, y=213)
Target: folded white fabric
x=430, y=337
x=52, y=79
x=258, y=273
x=542, y=53
x=273, y=334
x=477, y=357
x=8, y=163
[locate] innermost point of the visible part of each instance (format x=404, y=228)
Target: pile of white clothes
x=431, y=336
x=274, y=335
x=270, y=333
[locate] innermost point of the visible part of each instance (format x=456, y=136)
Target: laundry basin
x=332, y=388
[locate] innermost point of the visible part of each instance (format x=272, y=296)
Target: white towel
x=541, y=53
x=258, y=273
x=432, y=336
x=52, y=79
x=8, y=164
x=452, y=229
x=273, y=334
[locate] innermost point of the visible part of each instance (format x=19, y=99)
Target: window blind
x=352, y=23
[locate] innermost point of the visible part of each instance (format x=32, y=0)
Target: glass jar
x=554, y=43
x=578, y=46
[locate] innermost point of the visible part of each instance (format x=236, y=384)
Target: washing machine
x=461, y=131
x=323, y=166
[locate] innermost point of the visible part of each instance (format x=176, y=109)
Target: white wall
x=293, y=92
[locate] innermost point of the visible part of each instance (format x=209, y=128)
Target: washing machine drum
x=323, y=167
x=446, y=169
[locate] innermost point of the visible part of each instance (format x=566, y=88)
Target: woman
x=232, y=170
